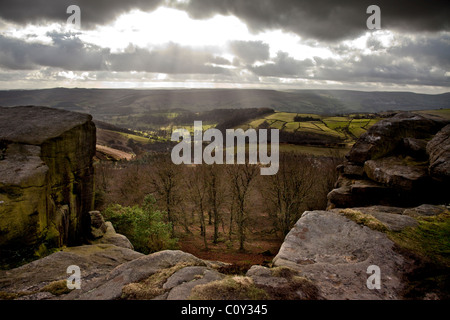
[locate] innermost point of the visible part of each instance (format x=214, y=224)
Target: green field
x=282, y=116
x=136, y=138
x=348, y=128
x=315, y=151
x=442, y=113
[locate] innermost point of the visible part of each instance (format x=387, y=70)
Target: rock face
x=326, y=255
x=400, y=161
x=335, y=253
x=46, y=178
x=439, y=150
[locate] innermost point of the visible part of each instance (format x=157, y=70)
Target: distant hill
x=106, y=103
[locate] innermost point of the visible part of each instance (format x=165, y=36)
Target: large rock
x=389, y=164
x=334, y=252
x=94, y=261
x=393, y=218
x=425, y=210
x=351, y=193
x=397, y=173
x=46, y=178
x=386, y=135
x=183, y=281
x=439, y=150
x=111, y=237
x=110, y=287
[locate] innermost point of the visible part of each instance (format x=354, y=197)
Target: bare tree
x=286, y=192
x=241, y=179
x=166, y=183
x=216, y=196
x=197, y=194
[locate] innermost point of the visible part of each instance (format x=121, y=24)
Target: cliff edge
x=46, y=179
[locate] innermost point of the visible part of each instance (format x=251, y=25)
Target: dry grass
x=230, y=288
x=364, y=219
x=152, y=286
x=56, y=288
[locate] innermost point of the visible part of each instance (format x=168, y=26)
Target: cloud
x=319, y=19
x=413, y=60
x=98, y=12
x=250, y=51
x=430, y=50
x=68, y=52
x=326, y=19
x=284, y=66
x=416, y=60
x=171, y=59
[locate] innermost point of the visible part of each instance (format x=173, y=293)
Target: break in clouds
x=290, y=43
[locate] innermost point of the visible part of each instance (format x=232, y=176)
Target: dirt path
x=114, y=153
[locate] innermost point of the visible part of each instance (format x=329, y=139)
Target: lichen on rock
x=46, y=179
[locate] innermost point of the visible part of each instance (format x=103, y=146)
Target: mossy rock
x=364, y=219
x=230, y=288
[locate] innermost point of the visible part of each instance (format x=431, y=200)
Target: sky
x=268, y=44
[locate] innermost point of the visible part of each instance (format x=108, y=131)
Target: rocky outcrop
x=327, y=255
x=46, y=179
x=400, y=161
x=439, y=150
x=94, y=261
x=104, y=232
x=335, y=253
x=334, y=250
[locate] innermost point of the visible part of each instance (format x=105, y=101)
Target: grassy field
x=136, y=138
x=315, y=151
x=442, y=113
x=348, y=128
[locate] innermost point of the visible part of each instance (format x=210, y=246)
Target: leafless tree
x=166, y=182
x=216, y=191
x=241, y=176
x=286, y=192
x=197, y=193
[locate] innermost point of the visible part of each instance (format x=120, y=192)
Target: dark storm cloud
x=327, y=19
x=319, y=19
x=93, y=12
x=69, y=53
x=250, y=51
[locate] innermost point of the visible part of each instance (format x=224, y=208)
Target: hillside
x=299, y=132
x=105, y=104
